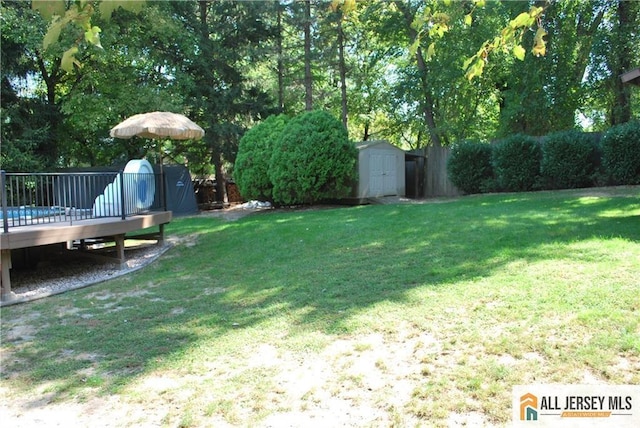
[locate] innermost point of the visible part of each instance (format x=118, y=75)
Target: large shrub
x=516, y=163
x=469, y=166
x=251, y=171
x=569, y=160
x=314, y=160
x=621, y=153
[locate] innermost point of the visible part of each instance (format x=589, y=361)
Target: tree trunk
x=53, y=112
x=621, y=109
x=365, y=135
x=203, y=19
x=308, y=79
x=343, y=71
x=221, y=187
x=280, y=64
x=216, y=156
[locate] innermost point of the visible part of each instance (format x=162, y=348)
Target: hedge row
x=563, y=160
x=296, y=161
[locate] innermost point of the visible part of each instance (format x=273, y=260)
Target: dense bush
x=315, y=160
x=621, y=153
x=469, y=166
x=569, y=160
x=516, y=163
x=251, y=171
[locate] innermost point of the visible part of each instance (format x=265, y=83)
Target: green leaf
x=522, y=20
x=49, y=8
x=468, y=19
x=53, y=32
x=475, y=70
x=93, y=36
x=539, y=45
x=519, y=52
x=431, y=51
x=419, y=20
x=438, y=30
x=507, y=34
x=414, y=47
x=348, y=6
x=441, y=17
x=468, y=62
x=69, y=59
x=535, y=11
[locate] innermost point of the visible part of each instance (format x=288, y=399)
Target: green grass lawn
x=419, y=314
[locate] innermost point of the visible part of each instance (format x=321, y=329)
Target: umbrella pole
x=163, y=199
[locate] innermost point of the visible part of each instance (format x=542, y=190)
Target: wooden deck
x=52, y=233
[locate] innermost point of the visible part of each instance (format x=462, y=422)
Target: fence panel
x=437, y=180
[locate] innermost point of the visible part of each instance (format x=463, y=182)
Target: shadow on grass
x=290, y=273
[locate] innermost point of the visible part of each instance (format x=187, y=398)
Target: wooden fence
x=437, y=181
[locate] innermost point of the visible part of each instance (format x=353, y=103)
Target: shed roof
x=373, y=143
x=632, y=77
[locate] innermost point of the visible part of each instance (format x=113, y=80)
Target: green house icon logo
x=528, y=407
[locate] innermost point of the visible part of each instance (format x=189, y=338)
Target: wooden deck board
x=52, y=233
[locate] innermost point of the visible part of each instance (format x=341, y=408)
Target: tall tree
x=308, y=78
x=279, y=54
x=625, y=40
x=341, y=9
x=220, y=95
x=60, y=127
x=102, y=89
x=369, y=57
x=409, y=95
x=30, y=79
x=542, y=95
x=615, y=50
x=427, y=101
x=281, y=67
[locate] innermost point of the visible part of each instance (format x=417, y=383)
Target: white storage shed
x=380, y=170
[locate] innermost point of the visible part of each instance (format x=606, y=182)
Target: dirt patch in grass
x=368, y=380
x=355, y=381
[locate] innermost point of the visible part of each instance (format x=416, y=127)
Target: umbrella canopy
x=158, y=125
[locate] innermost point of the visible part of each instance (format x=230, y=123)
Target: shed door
x=382, y=173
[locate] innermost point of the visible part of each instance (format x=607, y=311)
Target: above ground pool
x=32, y=212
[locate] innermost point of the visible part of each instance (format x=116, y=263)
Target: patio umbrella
x=158, y=125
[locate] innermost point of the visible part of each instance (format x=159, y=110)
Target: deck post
x=122, y=186
x=119, y=239
x=161, y=234
x=5, y=283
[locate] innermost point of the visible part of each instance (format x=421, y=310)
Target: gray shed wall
x=381, y=170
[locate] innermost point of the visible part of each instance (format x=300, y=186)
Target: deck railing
x=40, y=198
